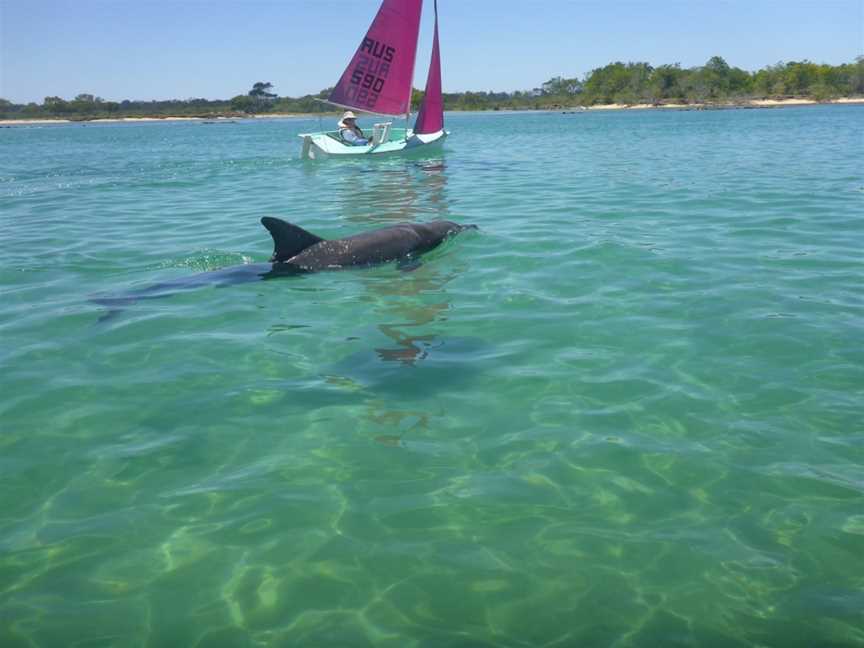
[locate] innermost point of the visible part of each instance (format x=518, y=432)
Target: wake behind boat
x=378, y=80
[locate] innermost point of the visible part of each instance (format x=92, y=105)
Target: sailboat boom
x=347, y=107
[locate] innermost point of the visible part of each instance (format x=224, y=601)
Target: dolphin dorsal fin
x=288, y=240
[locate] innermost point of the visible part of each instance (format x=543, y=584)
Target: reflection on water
x=434, y=177
x=406, y=191
x=407, y=421
x=408, y=308
x=411, y=347
x=388, y=191
x=394, y=363
x=394, y=377
x=400, y=300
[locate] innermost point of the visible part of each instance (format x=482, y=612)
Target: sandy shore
x=751, y=103
x=31, y=122
x=106, y=120
x=144, y=119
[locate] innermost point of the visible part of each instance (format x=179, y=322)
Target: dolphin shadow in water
x=296, y=252
x=425, y=365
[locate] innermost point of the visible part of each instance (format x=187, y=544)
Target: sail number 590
x=364, y=88
x=367, y=81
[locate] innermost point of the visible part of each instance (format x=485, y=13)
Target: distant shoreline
x=745, y=104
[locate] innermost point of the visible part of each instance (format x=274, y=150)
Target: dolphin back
x=289, y=240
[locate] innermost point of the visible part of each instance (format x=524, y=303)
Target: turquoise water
x=626, y=412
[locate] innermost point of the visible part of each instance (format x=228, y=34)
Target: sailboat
x=378, y=81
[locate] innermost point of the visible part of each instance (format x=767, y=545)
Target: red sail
x=378, y=79
x=431, y=116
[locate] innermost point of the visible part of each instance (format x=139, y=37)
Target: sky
x=216, y=49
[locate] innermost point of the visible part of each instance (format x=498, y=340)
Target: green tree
x=640, y=75
x=856, y=76
x=740, y=83
x=244, y=103
x=618, y=82
x=769, y=80
x=665, y=83
x=261, y=95
x=55, y=105
x=603, y=84
x=800, y=76
x=561, y=87
x=417, y=97
x=715, y=77
x=261, y=90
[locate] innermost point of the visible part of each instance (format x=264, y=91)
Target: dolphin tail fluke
x=288, y=240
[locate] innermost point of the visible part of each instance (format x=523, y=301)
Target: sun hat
x=346, y=115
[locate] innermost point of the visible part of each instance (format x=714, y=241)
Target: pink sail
x=378, y=79
x=431, y=116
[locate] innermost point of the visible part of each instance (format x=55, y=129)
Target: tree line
x=623, y=83
x=641, y=83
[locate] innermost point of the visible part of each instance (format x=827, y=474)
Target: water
x=626, y=412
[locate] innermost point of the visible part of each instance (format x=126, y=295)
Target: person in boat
x=350, y=132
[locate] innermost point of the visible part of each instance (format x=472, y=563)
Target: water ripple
x=624, y=412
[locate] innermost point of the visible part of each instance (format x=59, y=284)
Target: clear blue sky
x=161, y=49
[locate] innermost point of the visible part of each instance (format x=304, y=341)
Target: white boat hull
x=319, y=146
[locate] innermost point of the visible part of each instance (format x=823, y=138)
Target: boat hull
x=319, y=146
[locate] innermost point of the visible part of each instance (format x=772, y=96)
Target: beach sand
x=31, y=122
x=102, y=120
x=146, y=119
x=750, y=103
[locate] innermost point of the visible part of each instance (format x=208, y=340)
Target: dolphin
x=297, y=251
x=306, y=252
